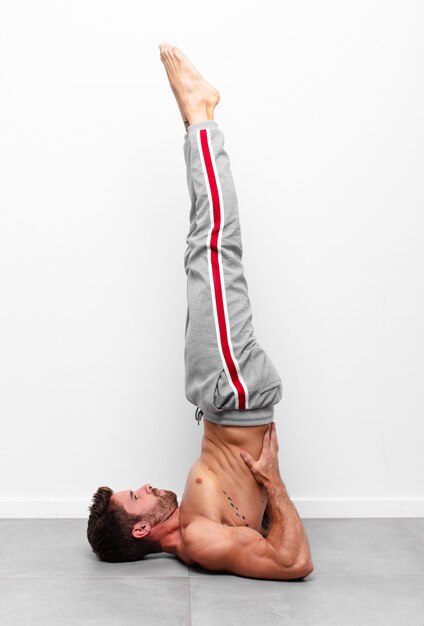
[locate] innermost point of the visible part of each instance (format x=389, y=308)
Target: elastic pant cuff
x=249, y=417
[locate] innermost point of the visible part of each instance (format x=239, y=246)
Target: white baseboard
x=307, y=508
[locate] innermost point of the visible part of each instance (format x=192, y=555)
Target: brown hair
x=109, y=531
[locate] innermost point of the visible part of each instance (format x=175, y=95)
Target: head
x=128, y=525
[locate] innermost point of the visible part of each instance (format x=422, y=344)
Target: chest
x=225, y=499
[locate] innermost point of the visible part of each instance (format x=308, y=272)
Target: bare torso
x=220, y=486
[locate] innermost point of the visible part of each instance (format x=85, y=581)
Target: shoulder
x=213, y=545
x=202, y=532
x=207, y=542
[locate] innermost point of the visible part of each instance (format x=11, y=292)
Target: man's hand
x=265, y=470
x=287, y=537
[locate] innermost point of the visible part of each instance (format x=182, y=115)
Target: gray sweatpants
x=228, y=376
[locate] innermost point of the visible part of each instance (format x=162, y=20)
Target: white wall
x=322, y=110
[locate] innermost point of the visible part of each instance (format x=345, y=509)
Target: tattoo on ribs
x=235, y=507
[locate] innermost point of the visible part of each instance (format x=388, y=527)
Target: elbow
x=305, y=568
x=298, y=568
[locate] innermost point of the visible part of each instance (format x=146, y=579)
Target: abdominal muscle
x=220, y=486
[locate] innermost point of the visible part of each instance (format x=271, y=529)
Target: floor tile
x=364, y=547
x=94, y=601
x=415, y=525
x=315, y=601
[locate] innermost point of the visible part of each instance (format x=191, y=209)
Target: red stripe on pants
x=215, y=259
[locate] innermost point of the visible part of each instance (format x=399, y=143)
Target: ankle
x=199, y=113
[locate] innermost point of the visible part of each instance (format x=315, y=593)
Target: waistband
x=252, y=417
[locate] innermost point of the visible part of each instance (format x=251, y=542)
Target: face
x=153, y=505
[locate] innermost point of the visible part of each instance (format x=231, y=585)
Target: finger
x=274, y=440
x=267, y=438
x=247, y=458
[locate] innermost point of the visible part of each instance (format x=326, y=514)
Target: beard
x=165, y=505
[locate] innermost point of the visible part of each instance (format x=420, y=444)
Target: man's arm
x=266, y=521
x=237, y=550
x=287, y=536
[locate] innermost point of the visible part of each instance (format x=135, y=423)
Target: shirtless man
x=235, y=514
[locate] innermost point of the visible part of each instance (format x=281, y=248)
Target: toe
x=177, y=53
x=165, y=53
x=164, y=48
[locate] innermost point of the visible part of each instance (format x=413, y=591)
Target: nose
x=147, y=488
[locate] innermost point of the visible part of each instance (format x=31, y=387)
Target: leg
x=228, y=375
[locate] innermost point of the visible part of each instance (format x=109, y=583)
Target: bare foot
x=180, y=104
x=195, y=97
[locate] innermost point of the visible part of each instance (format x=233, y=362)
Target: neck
x=168, y=533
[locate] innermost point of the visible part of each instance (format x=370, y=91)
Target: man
x=235, y=513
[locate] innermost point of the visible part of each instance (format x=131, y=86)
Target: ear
x=141, y=529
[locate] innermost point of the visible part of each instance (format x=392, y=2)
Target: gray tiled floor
x=368, y=572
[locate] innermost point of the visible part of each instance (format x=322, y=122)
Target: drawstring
x=198, y=415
